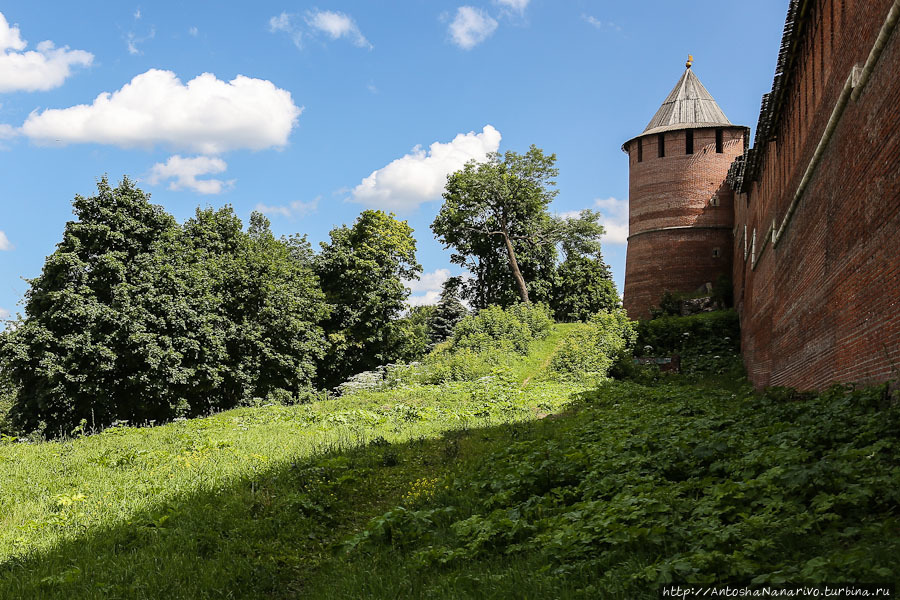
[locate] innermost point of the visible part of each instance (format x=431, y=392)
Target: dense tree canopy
x=496, y=219
x=502, y=201
x=362, y=269
x=583, y=284
x=137, y=318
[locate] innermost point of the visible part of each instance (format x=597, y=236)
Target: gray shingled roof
x=688, y=105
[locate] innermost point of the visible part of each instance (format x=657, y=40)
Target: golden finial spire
x=690, y=61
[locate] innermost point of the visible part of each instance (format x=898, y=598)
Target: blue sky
x=312, y=112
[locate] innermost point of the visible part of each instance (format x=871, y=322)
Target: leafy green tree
x=83, y=351
x=362, y=269
x=411, y=334
x=501, y=201
x=583, y=284
x=135, y=318
x=448, y=312
x=265, y=305
x=584, y=287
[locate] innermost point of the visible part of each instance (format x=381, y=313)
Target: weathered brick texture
x=680, y=215
x=823, y=305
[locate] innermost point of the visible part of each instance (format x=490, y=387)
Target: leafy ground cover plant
x=646, y=486
x=708, y=343
x=594, y=347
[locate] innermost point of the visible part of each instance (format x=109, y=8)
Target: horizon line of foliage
x=137, y=318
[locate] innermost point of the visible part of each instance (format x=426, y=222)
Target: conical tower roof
x=687, y=106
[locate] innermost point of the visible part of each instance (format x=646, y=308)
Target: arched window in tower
x=689, y=141
x=719, y=141
x=640, y=150
x=661, y=142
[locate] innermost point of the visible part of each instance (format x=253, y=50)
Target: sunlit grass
x=219, y=505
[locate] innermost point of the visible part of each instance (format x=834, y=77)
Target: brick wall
x=678, y=190
x=823, y=305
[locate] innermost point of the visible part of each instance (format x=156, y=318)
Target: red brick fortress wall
x=823, y=305
x=680, y=215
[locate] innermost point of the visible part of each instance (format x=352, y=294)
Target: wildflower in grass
x=421, y=489
x=62, y=500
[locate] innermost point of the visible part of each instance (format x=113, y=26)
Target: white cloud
x=614, y=218
x=184, y=173
x=518, y=6
x=10, y=37
x=5, y=244
x=471, y=26
x=429, y=281
x=4, y=314
x=284, y=23
x=280, y=23
x=44, y=68
x=206, y=115
x=421, y=175
x=294, y=209
x=602, y=25
x=133, y=41
x=7, y=131
x=337, y=25
x=137, y=14
x=432, y=285
x=427, y=299
x=193, y=31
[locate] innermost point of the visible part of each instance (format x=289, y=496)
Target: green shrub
x=594, y=347
x=483, y=344
x=536, y=316
x=494, y=327
x=708, y=343
x=719, y=330
x=462, y=364
x=7, y=395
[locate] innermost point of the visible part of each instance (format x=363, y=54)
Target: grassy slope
x=450, y=493
x=243, y=503
x=639, y=486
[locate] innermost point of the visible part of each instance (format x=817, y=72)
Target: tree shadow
x=258, y=536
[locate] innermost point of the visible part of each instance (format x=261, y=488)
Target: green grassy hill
x=512, y=485
x=246, y=502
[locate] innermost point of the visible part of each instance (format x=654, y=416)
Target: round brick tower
x=681, y=211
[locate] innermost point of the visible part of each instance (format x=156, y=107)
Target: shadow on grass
x=259, y=536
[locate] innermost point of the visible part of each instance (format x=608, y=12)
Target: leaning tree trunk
x=514, y=267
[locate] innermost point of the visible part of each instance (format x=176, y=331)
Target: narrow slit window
x=661, y=142
x=689, y=141
x=716, y=253
x=640, y=151
x=718, y=141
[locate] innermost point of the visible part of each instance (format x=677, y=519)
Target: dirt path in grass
x=546, y=362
